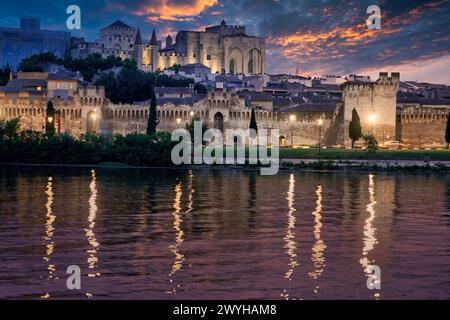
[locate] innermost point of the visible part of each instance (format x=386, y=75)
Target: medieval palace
x=223, y=48
x=305, y=111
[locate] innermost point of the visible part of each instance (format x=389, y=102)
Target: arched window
x=232, y=66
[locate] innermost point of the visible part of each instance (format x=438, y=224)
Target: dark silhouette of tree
x=50, y=119
x=355, y=130
x=253, y=124
x=447, y=131
x=4, y=76
x=152, y=117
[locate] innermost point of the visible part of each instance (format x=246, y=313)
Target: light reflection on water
x=223, y=234
x=318, y=250
x=92, y=259
x=290, y=243
x=49, y=231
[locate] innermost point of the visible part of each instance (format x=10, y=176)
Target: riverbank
x=284, y=165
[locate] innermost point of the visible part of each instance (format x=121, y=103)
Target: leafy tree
x=447, y=131
x=253, y=124
x=9, y=128
x=370, y=142
x=33, y=63
x=4, y=76
x=50, y=119
x=200, y=88
x=152, y=118
x=191, y=126
x=175, y=67
x=355, y=130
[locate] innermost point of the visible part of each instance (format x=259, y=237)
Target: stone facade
x=223, y=49
x=85, y=109
x=375, y=103
x=17, y=44
x=422, y=125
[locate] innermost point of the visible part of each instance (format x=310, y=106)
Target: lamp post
x=178, y=122
x=372, y=119
x=320, y=123
x=292, y=119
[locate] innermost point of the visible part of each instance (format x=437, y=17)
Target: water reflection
x=92, y=259
x=49, y=231
x=190, y=205
x=179, y=238
x=318, y=249
x=290, y=243
x=370, y=239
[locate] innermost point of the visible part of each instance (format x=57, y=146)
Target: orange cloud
x=166, y=10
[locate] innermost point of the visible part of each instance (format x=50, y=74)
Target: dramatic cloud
x=320, y=37
x=175, y=10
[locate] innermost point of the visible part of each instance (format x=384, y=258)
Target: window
x=208, y=57
x=195, y=56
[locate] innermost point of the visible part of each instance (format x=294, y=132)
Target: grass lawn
x=289, y=153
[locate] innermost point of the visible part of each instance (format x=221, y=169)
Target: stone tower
x=153, y=49
x=139, y=51
x=376, y=104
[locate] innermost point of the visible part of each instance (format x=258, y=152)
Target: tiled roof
x=424, y=101
x=119, y=24
x=173, y=90
x=310, y=107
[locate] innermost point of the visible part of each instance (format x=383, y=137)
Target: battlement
x=384, y=77
x=90, y=91
x=384, y=81
x=172, y=54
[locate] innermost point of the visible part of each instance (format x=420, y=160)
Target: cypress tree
x=447, y=131
x=355, y=130
x=253, y=123
x=152, y=119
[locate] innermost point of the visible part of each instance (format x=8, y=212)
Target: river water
x=223, y=234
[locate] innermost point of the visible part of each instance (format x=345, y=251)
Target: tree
x=4, y=76
x=355, y=130
x=152, y=117
x=191, y=126
x=50, y=119
x=253, y=124
x=447, y=131
x=9, y=128
x=370, y=142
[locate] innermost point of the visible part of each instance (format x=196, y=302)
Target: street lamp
x=292, y=118
x=372, y=119
x=320, y=123
x=178, y=122
x=192, y=113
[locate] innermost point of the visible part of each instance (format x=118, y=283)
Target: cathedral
x=225, y=49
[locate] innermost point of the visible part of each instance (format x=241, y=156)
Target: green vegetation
x=253, y=124
x=355, y=130
x=87, y=67
x=370, y=142
x=4, y=76
x=447, y=131
x=129, y=86
x=38, y=148
x=343, y=154
x=152, y=119
x=191, y=126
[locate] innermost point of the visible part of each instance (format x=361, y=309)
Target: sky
x=319, y=36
